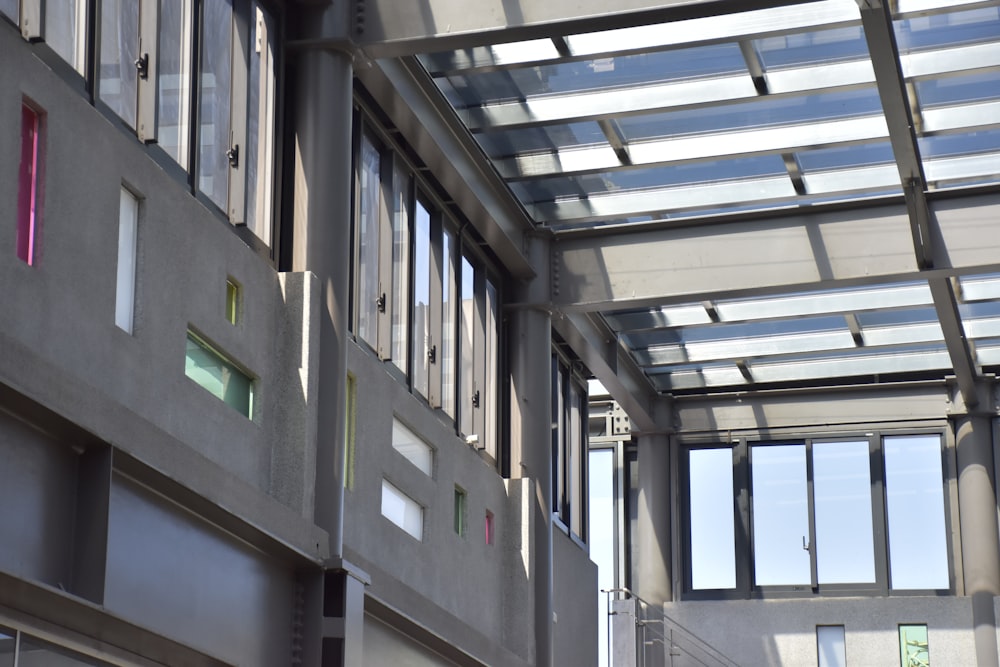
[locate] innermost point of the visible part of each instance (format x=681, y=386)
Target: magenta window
x=29, y=182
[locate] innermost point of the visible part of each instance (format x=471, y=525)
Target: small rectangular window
x=218, y=375
x=232, y=301
x=415, y=450
x=913, y=648
x=402, y=510
x=712, y=519
x=831, y=648
x=350, y=420
x=128, y=221
x=459, y=512
x=490, y=536
x=29, y=202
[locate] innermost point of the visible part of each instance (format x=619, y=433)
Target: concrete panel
x=174, y=573
x=783, y=632
x=37, y=503
x=387, y=646
x=575, y=604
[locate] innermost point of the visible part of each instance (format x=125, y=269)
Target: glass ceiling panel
x=949, y=29
x=815, y=47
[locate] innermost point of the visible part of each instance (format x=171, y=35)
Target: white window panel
x=402, y=510
x=128, y=220
x=830, y=646
x=963, y=167
x=813, y=369
x=412, y=447
x=957, y=117
x=956, y=59
x=929, y=332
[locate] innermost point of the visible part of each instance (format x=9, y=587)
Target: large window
x=424, y=298
x=865, y=513
x=194, y=77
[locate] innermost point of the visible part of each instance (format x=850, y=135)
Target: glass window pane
x=214, y=95
x=260, y=124
x=448, y=333
x=780, y=515
x=712, y=519
x=119, y=51
x=66, y=30
x=401, y=268
x=601, y=534
x=128, y=220
x=218, y=375
x=845, y=548
x=368, y=212
x=29, y=182
x=174, y=71
x=8, y=642
x=913, y=648
x=9, y=8
x=421, y=299
x=491, y=388
x=468, y=318
x=574, y=460
x=830, y=646
x=914, y=495
x=558, y=439
x=412, y=447
x=459, y=512
x=402, y=510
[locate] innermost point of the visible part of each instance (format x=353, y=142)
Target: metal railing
x=642, y=635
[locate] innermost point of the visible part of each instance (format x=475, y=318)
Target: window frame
x=741, y=447
x=570, y=467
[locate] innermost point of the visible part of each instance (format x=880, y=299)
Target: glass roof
x=761, y=109
x=843, y=335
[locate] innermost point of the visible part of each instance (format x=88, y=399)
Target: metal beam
x=391, y=28
x=598, y=348
x=778, y=254
x=422, y=115
x=966, y=371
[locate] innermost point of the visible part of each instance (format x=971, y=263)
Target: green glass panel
x=218, y=375
x=913, y=646
x=232, y=301
x=459, y=512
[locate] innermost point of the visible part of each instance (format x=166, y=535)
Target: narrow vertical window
x=459, y=512
x=174, y=71
x=260, y=124
x=368, y=249
x=490, y=529
x=119, y=54
x=421, y=299
x=845, y=547
x=128, y=221
x=350, y=419
x=574, y=459
x=448, y=324
x=491, y=383
x=401, y=189
x=214, y=89
x=913, y=648
x=232, y=301
x=66, y=31
x=558, y=439
x=468, y=317
x=831, y=648
x=914, y=496
x=29, y=185
x=712, y=521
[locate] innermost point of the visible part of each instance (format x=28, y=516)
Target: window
x=913, y=648
x=490, y=529
x=128, y=222
x=218, y=375
x=119, y=76
x=815, y=510
x=18, y=648
x=831, y=648
x=9, y=8
x=412, y=447
x=232, y=301
x=459, y=512
x=569, y=414
x=350, y=422
x=66, y=30
x=402, y=510
x=30, y=179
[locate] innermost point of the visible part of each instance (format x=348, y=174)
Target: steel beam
x=598, y=347
x=391, y=28
x=966, y=371
x=414, y=105
x=639, y=269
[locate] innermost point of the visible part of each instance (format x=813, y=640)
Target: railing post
x=623, y=635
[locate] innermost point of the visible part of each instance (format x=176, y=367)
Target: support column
x=977, y=505
x=322, y=229
x=531, y=430
x=651, y=578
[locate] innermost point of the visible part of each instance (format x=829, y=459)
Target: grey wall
x=783, y=632
x=575, y=581
x=384, y=645
x=178, y=575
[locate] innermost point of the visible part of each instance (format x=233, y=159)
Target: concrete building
x=301, y=300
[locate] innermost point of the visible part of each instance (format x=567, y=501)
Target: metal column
x=652, y=581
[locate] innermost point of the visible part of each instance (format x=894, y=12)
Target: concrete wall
x=783, y=632
x=575, y=582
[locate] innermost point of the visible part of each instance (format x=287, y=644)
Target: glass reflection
x=712, y=519
x=780, y=515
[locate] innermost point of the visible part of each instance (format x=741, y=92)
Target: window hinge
x=380, y=303
x=475, y=399
x=142, y=66
x=432, y=354
x=234, y=156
